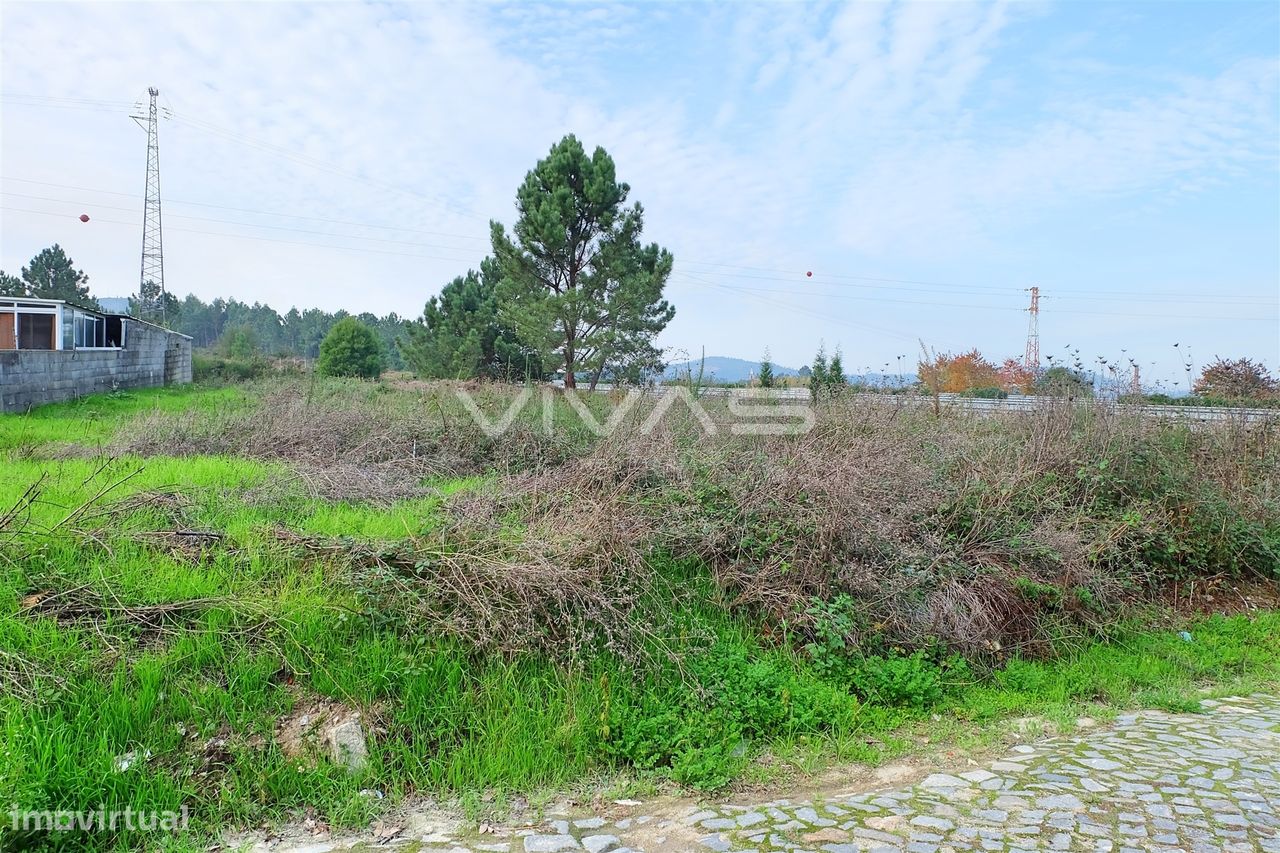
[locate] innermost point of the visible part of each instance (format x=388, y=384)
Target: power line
x=841, y=279
x=173, y=201
x=259, y=239
x=985, y=290
x=271, y=148
x=321, y=165
x=54, y=99
x=979, y=307
x=757, y=292
x=246, y=224
x=799, y=309
x=938, y=287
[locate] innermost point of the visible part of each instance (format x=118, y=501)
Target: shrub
x=700, y=733
x=842, y=639
x=350, y=349
x=987, y=393
x=1063, y=382
x=1241, y=379
x=917, y=680
x=239, y=343
x=212, y=366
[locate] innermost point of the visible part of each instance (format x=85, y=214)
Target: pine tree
x=461, y=336
x=818, y=376
x=11, y=285
x=836, y=380
x=52, y=275
x=766, y=371
x=577, y=285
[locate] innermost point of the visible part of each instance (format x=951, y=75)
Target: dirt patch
x=301, y=734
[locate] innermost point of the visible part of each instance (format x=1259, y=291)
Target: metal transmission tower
x=151, y=282
x=1031, y=361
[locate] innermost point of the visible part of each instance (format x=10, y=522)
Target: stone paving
x=1149, y=782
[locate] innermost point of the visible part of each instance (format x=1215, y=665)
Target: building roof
x=101, y=313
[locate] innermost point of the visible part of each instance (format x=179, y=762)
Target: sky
x=926, y=162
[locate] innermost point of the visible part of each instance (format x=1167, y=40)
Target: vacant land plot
x=195, y=585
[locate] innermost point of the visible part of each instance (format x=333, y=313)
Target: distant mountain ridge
x=720, y=368
x=723, y=368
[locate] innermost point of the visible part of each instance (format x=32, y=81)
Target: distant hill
x=720, y=368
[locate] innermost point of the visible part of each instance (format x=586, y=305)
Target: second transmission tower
x=151, y=293
x=1031, y=361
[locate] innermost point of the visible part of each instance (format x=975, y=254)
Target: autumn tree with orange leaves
x=1015, y=377
x=958, y=373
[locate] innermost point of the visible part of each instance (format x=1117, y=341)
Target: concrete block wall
x=152, y=357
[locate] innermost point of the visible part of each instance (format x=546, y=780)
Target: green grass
x=275, y=629
x=93, y=421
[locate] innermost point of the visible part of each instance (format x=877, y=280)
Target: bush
x=888, y=676
x=239, y=343
x=210, y=366
x=1242, y=379
x=1064, y=382
x=1195, y=400
x=350, y=349
x=700, y=733
x=987, y=393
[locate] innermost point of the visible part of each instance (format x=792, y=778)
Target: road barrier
x=1012, y=403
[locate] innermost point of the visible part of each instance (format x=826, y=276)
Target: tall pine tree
x=577, y=285
x=818, y=376
x=52, y=275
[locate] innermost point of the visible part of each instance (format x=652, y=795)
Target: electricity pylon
x=151, y=282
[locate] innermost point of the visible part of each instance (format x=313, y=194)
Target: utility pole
x=151, y=282
x=1031, y=361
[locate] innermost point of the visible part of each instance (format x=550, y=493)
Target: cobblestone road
x=1149, y=782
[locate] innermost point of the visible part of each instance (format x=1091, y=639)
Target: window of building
x=35, y=331
x=90, y=331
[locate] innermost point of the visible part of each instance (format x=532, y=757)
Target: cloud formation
x=991, y=145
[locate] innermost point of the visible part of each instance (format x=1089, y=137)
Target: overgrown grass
x=695, y=607
x=93, y=421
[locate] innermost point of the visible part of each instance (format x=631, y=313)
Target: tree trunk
x=569, y=356
x=570, y=381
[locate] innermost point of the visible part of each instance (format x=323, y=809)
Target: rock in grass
x=346, y=742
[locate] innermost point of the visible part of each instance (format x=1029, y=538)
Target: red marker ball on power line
x=84, y=217
x=809, y=273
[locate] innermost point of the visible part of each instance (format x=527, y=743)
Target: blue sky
x=927, y=161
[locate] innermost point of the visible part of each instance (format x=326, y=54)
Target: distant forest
x=270, y=332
